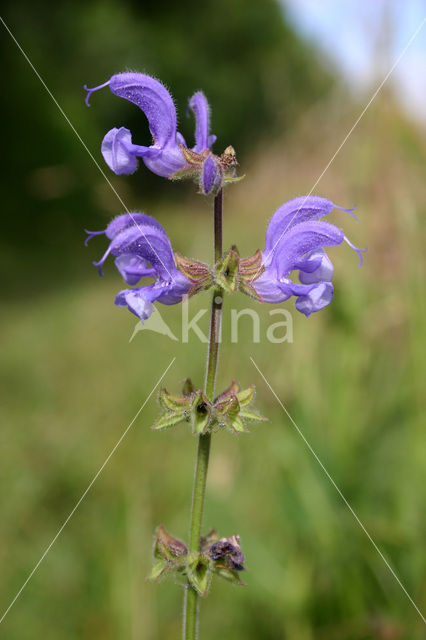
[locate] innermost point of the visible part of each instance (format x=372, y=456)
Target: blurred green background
x=352, y=379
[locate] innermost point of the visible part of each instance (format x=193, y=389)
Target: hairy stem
x=190, y=620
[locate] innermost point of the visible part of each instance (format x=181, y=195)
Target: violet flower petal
x=132, y=268
x=294, y=288
x=131, y=219
x=158, y=106
x=300, y=240
x=295, y=241
x=168, y=162
x=121, y=154
x=142, y=248
x=142, y=235
x=323, y=271
x=116, y=153
x=163, y=157
x=268, y=288
x=201, y=110
x=301, y=248
x=152, y=97
x=138, y=301
x=174, y=291
x=292, y=213
x=148, y=243
x=211, y=140
x=318, y=298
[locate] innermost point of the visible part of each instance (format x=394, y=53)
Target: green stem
x=190, y=619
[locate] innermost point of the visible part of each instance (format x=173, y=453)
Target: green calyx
x=235, y=274
x=199, y=572
x=220, y=556
x=192, y=406
x=231, y=273
x=226, y=271
x=231, y=409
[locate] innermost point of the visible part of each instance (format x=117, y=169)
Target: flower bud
x=166, y=546
x=170, y=555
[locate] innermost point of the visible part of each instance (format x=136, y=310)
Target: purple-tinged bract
x=142, y=249
x=295, y=241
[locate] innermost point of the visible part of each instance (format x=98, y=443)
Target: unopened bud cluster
x=220, y=556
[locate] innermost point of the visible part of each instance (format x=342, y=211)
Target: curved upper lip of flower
x=292, y=213
x=140, y=235
x=136, y=225
x=142, y=248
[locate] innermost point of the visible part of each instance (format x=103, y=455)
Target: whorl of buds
x=220, y=556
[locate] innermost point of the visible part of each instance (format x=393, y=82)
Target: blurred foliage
x=255, y=71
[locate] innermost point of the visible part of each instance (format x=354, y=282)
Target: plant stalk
x=191, y=603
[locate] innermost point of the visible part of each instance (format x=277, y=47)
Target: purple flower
x=142, y=249
x=295, y=241
x=169, y=155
